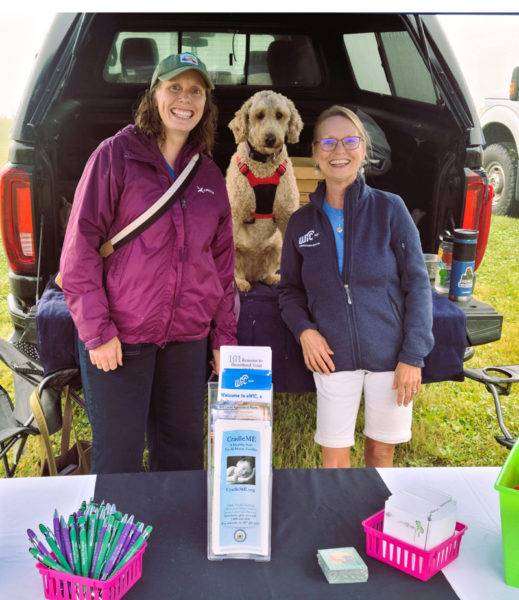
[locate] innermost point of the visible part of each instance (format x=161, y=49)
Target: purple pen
x=57, y=531
x=37, y=544
x=98, y=546
x=129, y=538
x=65, y=536
x=112, y=561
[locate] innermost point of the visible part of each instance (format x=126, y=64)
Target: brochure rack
x=239, y=455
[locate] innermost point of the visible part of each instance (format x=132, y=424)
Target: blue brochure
x=241, y=499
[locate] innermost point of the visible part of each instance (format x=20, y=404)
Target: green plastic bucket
x=509, y=502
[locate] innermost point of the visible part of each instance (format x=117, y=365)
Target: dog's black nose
x=270, y=140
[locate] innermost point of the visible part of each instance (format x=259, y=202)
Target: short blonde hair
x=342, y=111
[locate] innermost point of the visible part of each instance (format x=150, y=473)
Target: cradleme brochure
x=241, y=501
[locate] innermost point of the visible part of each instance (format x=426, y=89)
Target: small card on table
x=342, y=565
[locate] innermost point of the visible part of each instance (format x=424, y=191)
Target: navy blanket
x=57, y=334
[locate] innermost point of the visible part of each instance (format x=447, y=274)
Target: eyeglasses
x=349, y=143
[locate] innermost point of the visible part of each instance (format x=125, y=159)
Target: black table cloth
x=311, y=509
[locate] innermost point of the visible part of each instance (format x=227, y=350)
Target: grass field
x=454, y=423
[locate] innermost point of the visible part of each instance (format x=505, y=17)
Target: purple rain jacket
x=174, y=281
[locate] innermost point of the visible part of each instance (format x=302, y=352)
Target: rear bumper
x=484, y=323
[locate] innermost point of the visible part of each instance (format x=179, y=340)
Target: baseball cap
x=174, y=64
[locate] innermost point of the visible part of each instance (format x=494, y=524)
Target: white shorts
x=338, y=401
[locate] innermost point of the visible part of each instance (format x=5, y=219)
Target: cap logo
x=188, y=58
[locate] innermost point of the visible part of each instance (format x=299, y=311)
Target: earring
x=316, y=170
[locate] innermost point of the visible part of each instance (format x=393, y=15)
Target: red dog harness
x=264, y=188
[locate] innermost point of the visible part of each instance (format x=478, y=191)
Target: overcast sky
x=487, y=46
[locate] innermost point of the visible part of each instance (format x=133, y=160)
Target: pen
x=54, y=547
x=116, y=546
x=99, y=542
x=67, y=546
x=104, y=547
x=48, y=562
x=92, y=520
x=74, y=544
x=37, y=544
x=134, y=549
x=100, y=520
x=83, y=546
x=130, y=538
x=57, y=532
x=119, y=527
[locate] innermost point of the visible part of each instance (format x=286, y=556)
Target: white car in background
x=499, y=116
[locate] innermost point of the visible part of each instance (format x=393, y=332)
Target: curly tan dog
x=261, y=184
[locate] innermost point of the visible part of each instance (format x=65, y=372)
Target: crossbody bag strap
x=149, y=216
x=155, y=211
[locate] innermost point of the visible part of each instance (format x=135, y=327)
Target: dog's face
x=266, y=120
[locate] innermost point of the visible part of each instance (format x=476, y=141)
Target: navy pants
x=158, y=392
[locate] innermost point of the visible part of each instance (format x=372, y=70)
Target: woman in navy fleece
x=355, y=292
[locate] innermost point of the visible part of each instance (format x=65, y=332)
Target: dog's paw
x=243, y=285
x=272, y=279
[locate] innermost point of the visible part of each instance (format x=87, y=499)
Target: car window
x=389, y=63
x=231, y=58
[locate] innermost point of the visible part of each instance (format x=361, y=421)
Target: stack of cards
x=342, y=565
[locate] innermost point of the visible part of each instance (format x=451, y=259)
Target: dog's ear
x=295, y=124
x=240, y=124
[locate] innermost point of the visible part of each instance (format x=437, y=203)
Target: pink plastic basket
x=62, y=586
x=419, y=563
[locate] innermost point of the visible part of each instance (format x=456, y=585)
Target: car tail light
x=478, y=211
x=16, y=219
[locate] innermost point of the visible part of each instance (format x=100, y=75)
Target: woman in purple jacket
x=146, y=314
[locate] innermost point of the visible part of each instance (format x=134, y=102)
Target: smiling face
x=180, y=102
x=339, y=165
x=268, y=119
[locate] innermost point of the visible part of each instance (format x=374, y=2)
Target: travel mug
x=463, y=259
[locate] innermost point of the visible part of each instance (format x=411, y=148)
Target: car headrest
x=292, y=62
x=138, y=59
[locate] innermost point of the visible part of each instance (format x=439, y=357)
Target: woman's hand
x=108, y=356
x=407, y=382
x=215, y=363
x=316, y=352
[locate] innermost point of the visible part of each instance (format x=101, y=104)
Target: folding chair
x=498, y=380
x=17, y=422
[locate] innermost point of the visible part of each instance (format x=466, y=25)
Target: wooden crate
x=306, y=178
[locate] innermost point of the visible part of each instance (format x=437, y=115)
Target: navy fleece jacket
x=379, y=310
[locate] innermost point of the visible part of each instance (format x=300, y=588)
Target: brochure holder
x=239, y=455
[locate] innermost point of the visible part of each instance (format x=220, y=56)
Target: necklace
x=340, y=227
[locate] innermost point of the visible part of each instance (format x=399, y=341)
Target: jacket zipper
x=348, y=296
x=180, y=269
x=348, y=242
x=346, y=273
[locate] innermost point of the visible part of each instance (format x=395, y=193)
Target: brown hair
x=147, y=117
x=342, y=111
